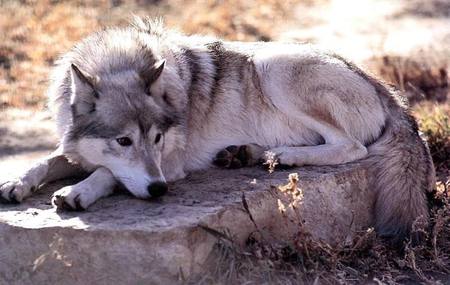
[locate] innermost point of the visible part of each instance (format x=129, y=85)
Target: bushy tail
x=401, y=171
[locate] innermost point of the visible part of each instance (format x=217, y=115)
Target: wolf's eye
x=157, y=138
x=124, y=141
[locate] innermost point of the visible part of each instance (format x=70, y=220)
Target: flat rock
x=121, y=239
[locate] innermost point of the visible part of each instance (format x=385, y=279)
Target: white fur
x=99, y=184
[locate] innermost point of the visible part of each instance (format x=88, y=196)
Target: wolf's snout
x=157, y=189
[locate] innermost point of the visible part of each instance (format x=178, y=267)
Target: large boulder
x=123, y=240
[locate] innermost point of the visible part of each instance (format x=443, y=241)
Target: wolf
x=143, y=105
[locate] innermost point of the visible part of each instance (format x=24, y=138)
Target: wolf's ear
x=151, y=74
x=83, y=95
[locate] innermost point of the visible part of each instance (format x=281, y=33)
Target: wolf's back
x=401, y=172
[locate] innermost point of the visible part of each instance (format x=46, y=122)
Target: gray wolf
x=140, y=106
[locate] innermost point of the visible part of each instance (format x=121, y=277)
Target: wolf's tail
x=401, y=172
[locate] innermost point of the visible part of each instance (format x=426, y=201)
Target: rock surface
x=123, y=240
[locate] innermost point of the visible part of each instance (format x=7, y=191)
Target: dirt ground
x=404, y=42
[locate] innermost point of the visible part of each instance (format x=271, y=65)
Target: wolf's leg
x=239, y=156
x=80, y=196
x=338, y=148
x=54, y=167
x=325, y=154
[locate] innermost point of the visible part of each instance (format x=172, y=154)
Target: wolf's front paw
x=15, y=191
x=71, y=198
x=232, y=157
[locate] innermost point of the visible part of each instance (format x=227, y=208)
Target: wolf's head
x=124, y=120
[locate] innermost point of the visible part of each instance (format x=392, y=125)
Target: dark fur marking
x=194, y=69
x=218, y=56
x=85, y=127
x=255, y=79
x=166, y=123
x=167, y=100
x=143, y=126
x=200, y=85
x=226, y=62
x=93, y=109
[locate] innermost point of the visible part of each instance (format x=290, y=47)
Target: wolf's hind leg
x=83, y=194
x=325, y=154
x=339, y=147
x=54, y=167
x=239, y=156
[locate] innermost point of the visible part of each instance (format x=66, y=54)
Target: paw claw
x=11, y=194
x=66, y=206
x=235, y=163
x=14, y=191
x=13, y=197
x=64, y=201
x=57, y=201
x=221, y=162
x=61, y=204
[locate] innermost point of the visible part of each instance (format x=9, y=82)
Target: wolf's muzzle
x=157, y=189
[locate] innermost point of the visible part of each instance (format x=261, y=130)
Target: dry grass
x=423, y=75
x=434, y=122
x=32, y=37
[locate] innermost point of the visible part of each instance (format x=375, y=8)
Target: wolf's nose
x=157, y=189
